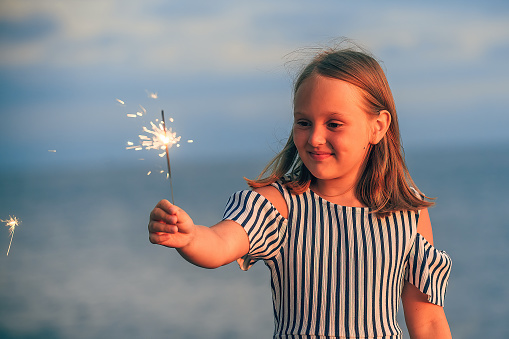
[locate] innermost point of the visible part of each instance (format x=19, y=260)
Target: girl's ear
x=380, y=126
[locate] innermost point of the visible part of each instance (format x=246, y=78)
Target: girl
x=335, y=216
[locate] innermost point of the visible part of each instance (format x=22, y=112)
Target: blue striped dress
x=337, y=271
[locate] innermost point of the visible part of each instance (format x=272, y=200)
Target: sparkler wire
x=10, y=243
x=167, y=157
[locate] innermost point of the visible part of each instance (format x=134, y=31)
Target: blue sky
x=223, y=70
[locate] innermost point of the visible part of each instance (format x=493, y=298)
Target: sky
x=223, y=71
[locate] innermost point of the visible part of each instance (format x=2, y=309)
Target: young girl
x=335, y=216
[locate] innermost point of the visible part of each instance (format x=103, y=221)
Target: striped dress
x=337, y=271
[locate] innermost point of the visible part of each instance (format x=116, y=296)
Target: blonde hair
x=385, y=184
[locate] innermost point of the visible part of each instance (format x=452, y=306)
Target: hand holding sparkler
x=170, y=226
x=208, y=247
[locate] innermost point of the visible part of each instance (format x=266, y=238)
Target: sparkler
x=162, y=138
x=157, y=137
x=12, y=223
x=167, y=155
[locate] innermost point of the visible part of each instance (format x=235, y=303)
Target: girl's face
x=332, y=131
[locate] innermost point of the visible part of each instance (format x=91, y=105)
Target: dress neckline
x=321, y=199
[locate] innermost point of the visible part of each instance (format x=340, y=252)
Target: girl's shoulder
x=272, y=194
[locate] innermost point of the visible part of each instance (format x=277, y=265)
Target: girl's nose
x=316, y=137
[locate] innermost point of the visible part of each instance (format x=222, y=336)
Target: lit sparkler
x=167, y=153
x=159, y=137
x=12, y=223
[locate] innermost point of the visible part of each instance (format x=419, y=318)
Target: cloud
x=164, y=36
x=129, y=33
x=436, y=34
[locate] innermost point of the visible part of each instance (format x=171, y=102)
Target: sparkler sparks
x=12, y=223
x=138, y=113
x=151, y=95
x=158, y=136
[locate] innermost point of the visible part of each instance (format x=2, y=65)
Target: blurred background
x=80, y=264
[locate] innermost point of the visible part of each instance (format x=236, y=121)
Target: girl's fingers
x=172, y=229
x=157, y=227
x=157, y=238
x=163, y=217
x=169, y=225
x=165, y=212
x=167, y=206
x=161, y=221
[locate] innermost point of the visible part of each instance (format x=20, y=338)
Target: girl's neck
x=343, y=195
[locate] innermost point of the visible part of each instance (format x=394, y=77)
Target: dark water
x=81, y=266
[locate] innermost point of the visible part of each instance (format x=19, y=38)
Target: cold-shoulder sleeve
x=428, y=269
x=265, y=227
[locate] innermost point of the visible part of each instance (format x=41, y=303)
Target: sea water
x=81, y=265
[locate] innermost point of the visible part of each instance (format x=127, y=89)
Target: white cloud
x=141, y=34
x=100, y=32
x=436, y=34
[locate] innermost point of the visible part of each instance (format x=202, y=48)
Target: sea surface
x=81, y=265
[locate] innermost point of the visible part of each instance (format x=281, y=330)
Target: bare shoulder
x=273, y=195
x=424, y=226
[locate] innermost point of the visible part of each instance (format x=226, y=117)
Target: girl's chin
x=321, y=175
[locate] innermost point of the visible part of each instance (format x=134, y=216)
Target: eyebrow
x=338, y=114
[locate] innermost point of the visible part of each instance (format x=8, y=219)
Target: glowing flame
x=12, y=223
x=156, y=138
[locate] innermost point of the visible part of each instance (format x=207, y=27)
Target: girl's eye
x=302, y=123
x=334, y=125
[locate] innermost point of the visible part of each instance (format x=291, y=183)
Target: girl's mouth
x=319, y=156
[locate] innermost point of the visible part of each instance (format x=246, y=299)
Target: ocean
x=81, y=265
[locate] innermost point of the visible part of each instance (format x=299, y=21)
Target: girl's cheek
x=299, y=136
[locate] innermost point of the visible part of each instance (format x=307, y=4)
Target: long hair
x=385, y=184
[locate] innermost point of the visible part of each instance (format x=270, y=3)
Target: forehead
x=320, y=93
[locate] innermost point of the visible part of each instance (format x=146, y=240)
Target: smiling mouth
x=320, y=155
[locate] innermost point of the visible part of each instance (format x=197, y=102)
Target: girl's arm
x=208, y=247
x=423, y=319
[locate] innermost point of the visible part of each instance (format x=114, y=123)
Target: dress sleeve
x=428, y=269
x=265, y=227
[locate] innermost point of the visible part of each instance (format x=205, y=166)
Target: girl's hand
x=170, y=226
